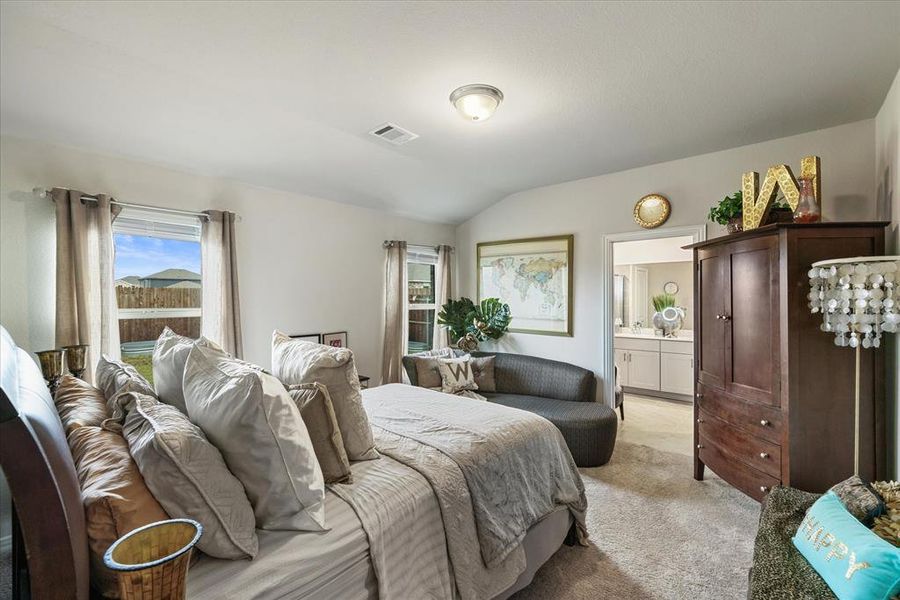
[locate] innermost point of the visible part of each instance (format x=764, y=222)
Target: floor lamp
x=859, y=301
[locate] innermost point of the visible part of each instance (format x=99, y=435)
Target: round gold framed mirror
x=651, y=211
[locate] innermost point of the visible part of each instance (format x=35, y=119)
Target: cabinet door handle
x=726, y=317
x=699, y=446
x=764, y=423
x=718, y=317
x=699, y=419
x=764, y=488
x=764, y=455
x=699, y=395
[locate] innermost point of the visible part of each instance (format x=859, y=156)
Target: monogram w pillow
x=456, y=375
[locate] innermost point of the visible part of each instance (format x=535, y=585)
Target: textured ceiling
x=282, y=94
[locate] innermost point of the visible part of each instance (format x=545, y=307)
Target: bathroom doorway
x=649, y=343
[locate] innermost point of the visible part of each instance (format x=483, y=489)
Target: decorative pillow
x=169, y=355
x=116, y=500
x=296, y=361
x=456, y=375
x=115, y=377
x=887, y=526
x=854, y=562
x=427, y=372
x=256, y=425
x=318, y=415
x=445, y=352
x=189, y=478
x=483, y=368
x=859, y=499
x=79, y=404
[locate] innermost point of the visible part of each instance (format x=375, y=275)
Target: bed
x=429, y=535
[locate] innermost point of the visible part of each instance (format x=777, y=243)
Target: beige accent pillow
x=116, y=499
x=256, y=425
x=169, y=355
x=79, y=404
x=318, y=415
x=456, y=375
x=189, y=478
x=296, y=361
x=483, y=369
x=427, y=372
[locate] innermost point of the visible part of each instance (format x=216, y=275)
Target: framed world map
x=533, y=276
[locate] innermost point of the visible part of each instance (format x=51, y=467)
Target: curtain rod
x=43, y=193
x=390, y=243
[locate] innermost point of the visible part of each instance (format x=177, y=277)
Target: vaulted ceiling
x=283, y=94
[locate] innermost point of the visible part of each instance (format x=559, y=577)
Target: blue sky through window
x=143, y=255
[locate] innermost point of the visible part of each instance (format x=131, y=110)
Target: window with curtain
x=421, y=308
x=157, y=278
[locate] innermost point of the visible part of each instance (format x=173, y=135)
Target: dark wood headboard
x=38, y=465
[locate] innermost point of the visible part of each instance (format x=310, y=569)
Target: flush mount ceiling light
x=477, y=101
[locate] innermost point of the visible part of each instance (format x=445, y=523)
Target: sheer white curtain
x=220, y=318
x=395, y=322
x=86, y=311
x=442, y=293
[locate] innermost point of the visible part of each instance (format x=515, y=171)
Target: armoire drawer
x=761, y=421
x=755, y=484
x=739, y=445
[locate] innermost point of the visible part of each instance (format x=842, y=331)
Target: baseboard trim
x=658, y=394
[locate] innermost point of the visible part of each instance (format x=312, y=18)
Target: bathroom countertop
x=681, y=336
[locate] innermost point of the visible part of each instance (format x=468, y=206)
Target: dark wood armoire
x=774, y=396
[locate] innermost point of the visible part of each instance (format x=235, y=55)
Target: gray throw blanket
x=514, y=465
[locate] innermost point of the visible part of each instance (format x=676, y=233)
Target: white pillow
x=296, y=361
x=189, y=478
x=249, y=416
x=169, y=355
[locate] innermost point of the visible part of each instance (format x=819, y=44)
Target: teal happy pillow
x=854, y=562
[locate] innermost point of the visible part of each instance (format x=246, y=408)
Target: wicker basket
x=152, y=561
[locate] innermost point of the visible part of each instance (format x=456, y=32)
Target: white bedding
x=394, y=534
x=329, y=565
x=336, y=565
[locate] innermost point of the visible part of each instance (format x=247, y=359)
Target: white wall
x=887, y=177
x=305, y=264
x=657, y=250
x=592, y=207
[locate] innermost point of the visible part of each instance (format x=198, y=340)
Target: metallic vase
x=51, y=367
x=75, y=356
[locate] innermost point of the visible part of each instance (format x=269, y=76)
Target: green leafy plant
x=457, y=316
x=489, y=319
x=492, y=318
x=662, y=301
x=732, y=207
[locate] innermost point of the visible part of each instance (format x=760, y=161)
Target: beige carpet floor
x=655, y=533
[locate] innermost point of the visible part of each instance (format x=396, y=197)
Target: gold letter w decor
x=756, y=207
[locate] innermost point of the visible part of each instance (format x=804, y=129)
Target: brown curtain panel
x=442, y=293
x=220, y=318
x=86, y=311
x=395, y=322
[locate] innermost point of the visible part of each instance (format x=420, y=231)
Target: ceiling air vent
x=393, y=134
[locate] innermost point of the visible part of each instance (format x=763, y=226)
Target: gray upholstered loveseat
x=562, y=393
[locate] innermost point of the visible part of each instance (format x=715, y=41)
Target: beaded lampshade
x=858, y=298
x=859, y=302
